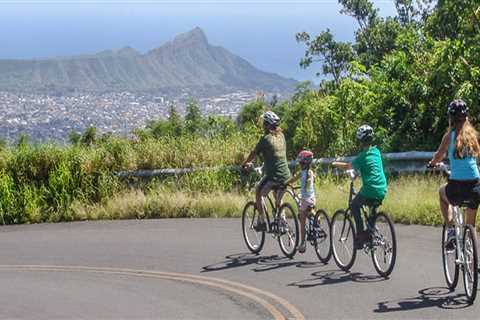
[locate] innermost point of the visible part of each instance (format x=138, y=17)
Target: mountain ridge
x=188, y=62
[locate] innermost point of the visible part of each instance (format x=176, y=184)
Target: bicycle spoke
x=383, y=245
x=343, y=240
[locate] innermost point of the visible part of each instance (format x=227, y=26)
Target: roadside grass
x=162, y=203
x=410, y=200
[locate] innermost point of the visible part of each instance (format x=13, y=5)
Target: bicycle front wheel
x=253, y=239
x=343, y=240
x=384, y=253
x=323, y=242
x=449, y=257
x=470, y=274
x=288, y=230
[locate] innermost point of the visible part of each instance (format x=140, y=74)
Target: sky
x=263, y=31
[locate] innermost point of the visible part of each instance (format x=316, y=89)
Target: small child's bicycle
x=464, y=255
x=382, y=245
x=317, y=229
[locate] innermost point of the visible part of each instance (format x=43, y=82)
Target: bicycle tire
x=450, y=270
x=386, y=226
x=322, y=220
x=288, y=240
x=247, y=224
x=471, y=263
x=342, y=228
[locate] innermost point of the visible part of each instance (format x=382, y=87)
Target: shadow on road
x=328, y=277
x=262, y=263
x=436, y=297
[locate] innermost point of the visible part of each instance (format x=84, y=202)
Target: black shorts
x=464, y=193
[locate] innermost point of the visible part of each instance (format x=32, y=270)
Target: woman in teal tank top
x=460, y=144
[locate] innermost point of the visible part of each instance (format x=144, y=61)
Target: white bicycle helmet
x=271, y=118
x=365, y=133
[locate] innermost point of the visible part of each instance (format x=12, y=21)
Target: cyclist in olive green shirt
x=273, y=148
x=374, y=183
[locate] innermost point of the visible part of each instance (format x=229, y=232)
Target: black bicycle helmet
x=457, y=109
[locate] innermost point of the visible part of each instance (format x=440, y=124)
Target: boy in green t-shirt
x=273, y=148
x=374, y=183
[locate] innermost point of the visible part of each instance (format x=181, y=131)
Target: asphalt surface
x=200, y=269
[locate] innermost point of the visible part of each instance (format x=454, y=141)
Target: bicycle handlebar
x=441, y=166
x=352, y=174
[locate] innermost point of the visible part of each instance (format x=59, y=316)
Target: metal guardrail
x=401, y=162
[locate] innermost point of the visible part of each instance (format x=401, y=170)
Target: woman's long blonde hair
x=466, y=143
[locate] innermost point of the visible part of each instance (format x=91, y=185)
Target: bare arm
x=294, y=178
x=250, y=158
x=342, y=165
x=442, y=150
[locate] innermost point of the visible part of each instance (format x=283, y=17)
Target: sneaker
x=361, y=238
x=302, y=247
x=261, y=226
x=450, y=243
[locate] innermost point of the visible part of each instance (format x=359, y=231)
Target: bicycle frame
x=265, y=211
x=272, y=203
x=367, y=211
x=459, y=224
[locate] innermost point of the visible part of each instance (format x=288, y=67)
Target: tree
x=377, y=40
x=334, y=56
x=175, y=125
x=407, y=12
x=194, y=121
x=23, y=140
x=362, y=10
x=251, y=113
x=453, y=19
x=74, y=137
x=89, y=136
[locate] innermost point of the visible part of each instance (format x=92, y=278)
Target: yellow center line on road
x=249, y=292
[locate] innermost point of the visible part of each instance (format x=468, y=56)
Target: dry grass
x=163, y=204
x=410, y=200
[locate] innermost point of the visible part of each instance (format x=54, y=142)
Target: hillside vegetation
x=398, y=76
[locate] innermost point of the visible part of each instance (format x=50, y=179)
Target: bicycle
x=382, y=245
x=317, y=229
x=465, y=254
x=284, y=226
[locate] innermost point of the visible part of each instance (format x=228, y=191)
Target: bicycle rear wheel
x=470, y=274
x=384, y=253
x=343, y=240
x=323, y=244
x=253, y=239
x=288, y=230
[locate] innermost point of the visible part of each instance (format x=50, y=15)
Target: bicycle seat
x=463, y=203
x=279, y=187
x=373, y=203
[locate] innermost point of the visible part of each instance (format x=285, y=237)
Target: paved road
x=200, y=269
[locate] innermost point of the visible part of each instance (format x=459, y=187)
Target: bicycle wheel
x=449, y=257
x=384, y=253
x=343, y=240
x=323, y=244
x=288, y=230
x=253, y=239
x=470, y=274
